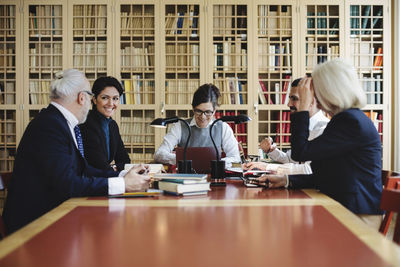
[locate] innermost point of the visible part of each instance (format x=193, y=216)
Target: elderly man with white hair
x=50, y=166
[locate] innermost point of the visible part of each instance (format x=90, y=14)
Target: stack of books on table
x=183, y=184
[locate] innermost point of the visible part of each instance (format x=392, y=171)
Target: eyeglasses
x=87, y=92
x=199, y=112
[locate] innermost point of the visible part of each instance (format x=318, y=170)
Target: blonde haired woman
x=346, y=158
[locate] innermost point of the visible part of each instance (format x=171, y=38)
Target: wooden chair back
x=391, y=182
x=386, y=174
x=390, y=202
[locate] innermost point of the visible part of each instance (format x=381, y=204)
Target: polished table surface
x=232, y=226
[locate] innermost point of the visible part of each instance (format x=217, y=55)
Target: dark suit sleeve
x=301, y=181
x=121, y=156
x=64, y=173
x=339, y=137
x=92, y=171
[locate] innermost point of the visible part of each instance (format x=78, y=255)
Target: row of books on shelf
x=365, y=19
x=39, y=92
x=233, y=90
x=7, y=20
x=365, y=55
x=317, y=53
x=283, y=127
x=7, y=92
x=180, y=91
x=136, y=130
x=137, y=56
x=90, y=54
x=89, y=19
x=230, y=55
x=239, y=129
x=8, y=132
x=45, y=55
x=137, y=23
x=182, y=55
x=184, y=23
x=6, y=160
x=7, y=115
x=183, y=184
x=45, y=20
x=5, y=153
x=276, y=93
x=377, y=119
x=373, y=89
x=228, y=17
x=140, y=157
x=273, y=56
x=274, y=20
x=138, y=91
x=320, y=22
x=9, y=139
x=7, y=58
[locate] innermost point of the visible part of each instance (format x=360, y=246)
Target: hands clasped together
x=137, y=178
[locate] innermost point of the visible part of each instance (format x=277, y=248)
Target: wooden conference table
x=231, y=226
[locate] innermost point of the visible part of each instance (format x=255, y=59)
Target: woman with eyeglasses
x=205, y=103
x=100, y=133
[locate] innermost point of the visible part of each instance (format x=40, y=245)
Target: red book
x=266, y=95
x=285, y=88
x=380, y=126
x=244, y=133
x=231, y=113
x=239, y=133
x=284, y=116
x=287, y=137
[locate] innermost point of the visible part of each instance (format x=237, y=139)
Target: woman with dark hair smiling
x=100, y=133
x=205, y=102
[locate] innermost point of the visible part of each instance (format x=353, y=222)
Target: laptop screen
x=201, y=157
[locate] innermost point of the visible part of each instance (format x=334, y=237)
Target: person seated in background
x=50, y=166
x=346, y=157
x=318, y=122
x=100, y=133
x=205, y=103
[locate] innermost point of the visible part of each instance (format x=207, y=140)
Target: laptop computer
x=201, y=157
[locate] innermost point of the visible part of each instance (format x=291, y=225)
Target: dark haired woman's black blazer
x=94, y=143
